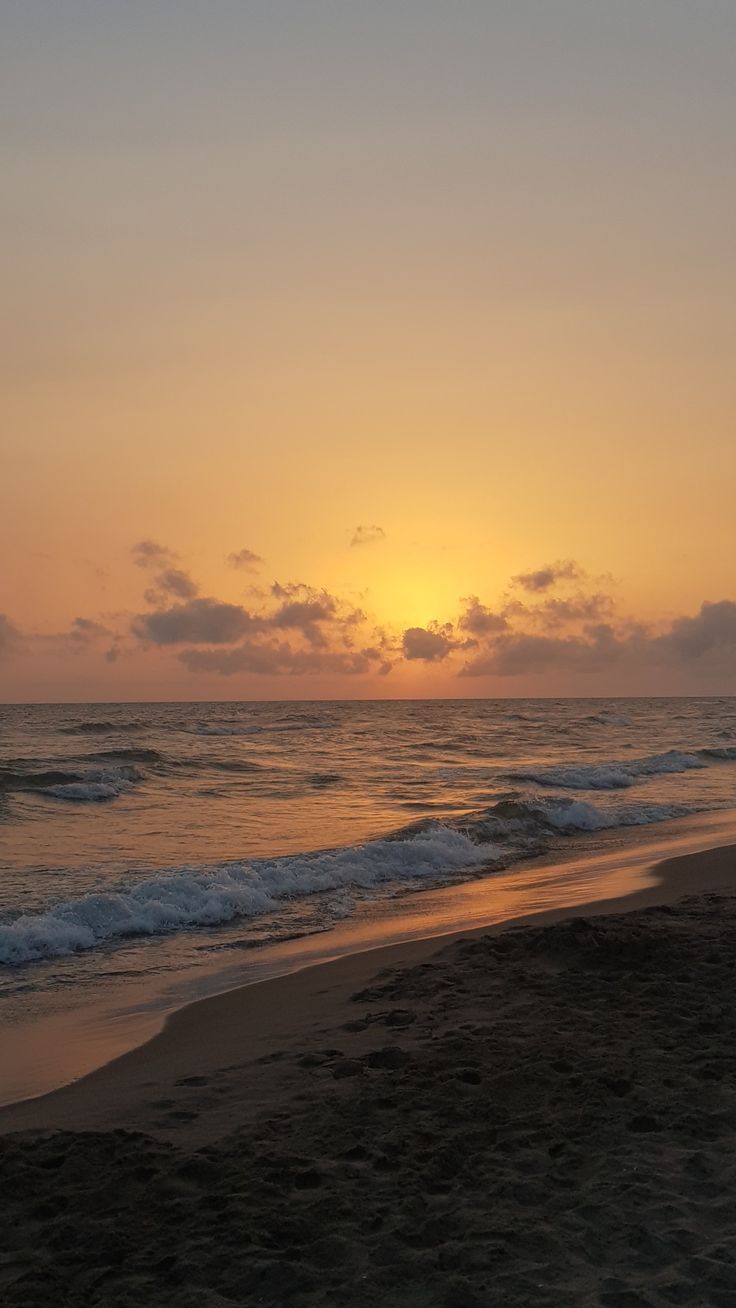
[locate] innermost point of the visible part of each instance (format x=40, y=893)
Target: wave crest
x=186, y=897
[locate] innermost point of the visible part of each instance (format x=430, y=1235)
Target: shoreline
x=75, y=1036
x=254, y=1022
x=533, y=1114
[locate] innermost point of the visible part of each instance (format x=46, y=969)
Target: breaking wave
x=188, y=897
x=617, y=776
x=75, y=785
x=519, y=820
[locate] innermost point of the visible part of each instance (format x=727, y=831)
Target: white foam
x=93, y=786
x=576, y=815
x=207, y=896
x=609, y=776
x=84, y=791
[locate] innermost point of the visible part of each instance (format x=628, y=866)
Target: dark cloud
x=197, y=622
x=711, y=630
x=245, y=559
x=306, y=616
x=149, y=554
x=173, y=581
x=479, y=620
x=557, y=611
x=428, y=644
x=518, y=653
x=544, y=578
x=367, y=534
x=302, y=614
x=278, y=659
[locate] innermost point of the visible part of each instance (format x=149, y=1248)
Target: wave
x=428, y=852
x=99, y=728
x=533, y=819
x=187, y=897
x=210, y=729
x=75, y=785
x=612, y=776
x=123, y=755
x=259, y=728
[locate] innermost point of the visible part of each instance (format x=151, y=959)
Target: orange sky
x=464, y=273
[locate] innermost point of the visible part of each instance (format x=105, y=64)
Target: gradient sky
x=460, y=275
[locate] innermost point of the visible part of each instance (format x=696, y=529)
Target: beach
x=539, y=1114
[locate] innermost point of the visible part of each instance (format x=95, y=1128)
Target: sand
x=542, y=1115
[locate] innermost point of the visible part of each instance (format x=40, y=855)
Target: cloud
x=175, y=582
x=428, y=644
x=302, y=614
x=279, y=659
x=479, y=620
x=85, y=631
x=712, y=629
x=520, y=653
x=558, y=611
x=10, y=637
x=149, y=554
x=197, y=622
x=296, y=629
x=544, y=578
x=245, y=559
x=306, y=616
x=367, y=534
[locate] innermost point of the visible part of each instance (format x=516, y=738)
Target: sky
x=367, y=350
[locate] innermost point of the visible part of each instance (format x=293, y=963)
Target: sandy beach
x=542, y=1114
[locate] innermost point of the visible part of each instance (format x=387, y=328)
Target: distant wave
x=211, y=729
x=620, y=775
x=609, y=719
x=259, y=728
x=538, y=816
x=75, y=785
x=99, y=728
x=127, y=756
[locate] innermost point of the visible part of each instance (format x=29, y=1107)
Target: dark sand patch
x=545, y=1116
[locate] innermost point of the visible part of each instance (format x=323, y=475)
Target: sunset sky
x=367, y=349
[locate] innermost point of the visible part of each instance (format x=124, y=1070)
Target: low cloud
x=520, y=653
x=367, y=534
x=85, y=631
x=479, y=620
x=281, y=659
x=245, y=559
x=198, y=622
x=428, y=644
x=711, y=630
x=558, y=611
x=294, y=629
x=545, y=578
x=10, y=637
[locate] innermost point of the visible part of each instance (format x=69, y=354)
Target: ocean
x=142, y=839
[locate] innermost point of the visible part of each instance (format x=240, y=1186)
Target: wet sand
x=540, y=1114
